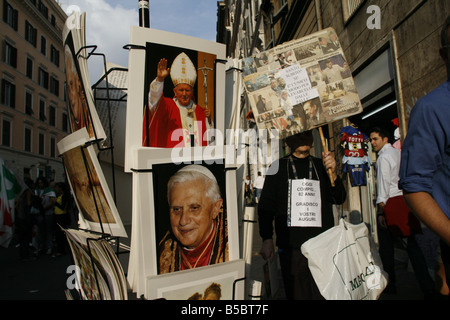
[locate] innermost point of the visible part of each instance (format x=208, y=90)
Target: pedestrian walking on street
x=425, y=167
x=395, y=221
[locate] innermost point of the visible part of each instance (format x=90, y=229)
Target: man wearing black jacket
x=298, y=281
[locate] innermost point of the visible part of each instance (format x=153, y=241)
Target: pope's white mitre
x=183, y=70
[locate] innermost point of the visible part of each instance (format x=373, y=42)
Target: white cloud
x=107, y=27
x=108, y=24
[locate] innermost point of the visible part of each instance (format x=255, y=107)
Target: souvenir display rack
x=100, y=146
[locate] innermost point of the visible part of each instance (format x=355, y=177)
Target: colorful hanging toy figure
x=355, y=160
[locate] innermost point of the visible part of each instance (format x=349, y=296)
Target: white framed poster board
x=147, y=48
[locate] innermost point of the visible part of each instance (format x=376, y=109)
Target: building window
x=349, y=7
x=10, y=15
x=53, y=146
x=30, y=33
x=41, y=143
x=43, y=45
x=43, y=78
x=6, y=132
x=27, y=139
x=52, y=116
x=65, y=122
x=8, y=94
x=54, y=55
x=54, y=86
x=42, y=116
x=43, y=9
x=9, y=54
x=28, y=103
x=53, y=20
x=29, y=70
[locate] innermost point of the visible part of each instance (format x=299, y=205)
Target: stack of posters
x=301, y=84
x=97, y=210
x=80, y=98
x=99, y=274
x=160, y=264
x=149, y=47
x=175, y=255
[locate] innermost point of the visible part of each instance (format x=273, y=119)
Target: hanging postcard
x=301, y=84
x=80, y=98
x=97, y=210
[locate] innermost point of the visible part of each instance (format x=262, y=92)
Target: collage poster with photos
x=301, y=84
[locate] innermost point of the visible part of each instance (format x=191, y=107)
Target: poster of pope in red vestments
x=176, y=92
x=179, y=101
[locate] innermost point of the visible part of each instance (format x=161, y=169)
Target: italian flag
x=9, y=189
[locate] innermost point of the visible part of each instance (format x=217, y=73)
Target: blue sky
x=108, y=23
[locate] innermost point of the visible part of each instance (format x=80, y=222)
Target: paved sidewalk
x=41, y=279
x=407, y=286
x=45, y=278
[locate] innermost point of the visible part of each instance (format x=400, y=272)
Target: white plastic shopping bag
x=345, y=263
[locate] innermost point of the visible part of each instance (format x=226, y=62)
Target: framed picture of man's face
x=188, y=84
x=81, y=105
x=97, y=209
x=176, y=91
x=187, y=211
x=191, y=216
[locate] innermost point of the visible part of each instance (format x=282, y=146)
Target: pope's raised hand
x=162, y=71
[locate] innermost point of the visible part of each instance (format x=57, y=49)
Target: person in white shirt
x=259, y=183
x=394, y=218
x=333, y=72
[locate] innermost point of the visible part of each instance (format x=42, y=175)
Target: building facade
x=392, y=47
x=33, y=113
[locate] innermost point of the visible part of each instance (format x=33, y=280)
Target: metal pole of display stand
x=144, y=13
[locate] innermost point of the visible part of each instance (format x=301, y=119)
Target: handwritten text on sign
x=298, y=84
x=306, y=209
